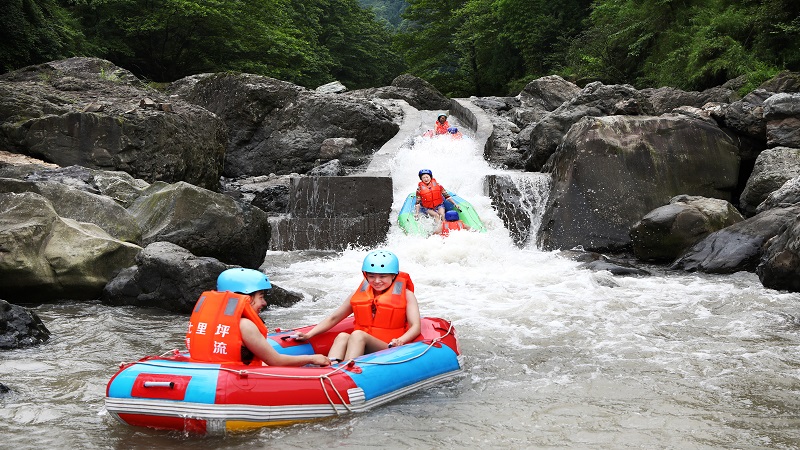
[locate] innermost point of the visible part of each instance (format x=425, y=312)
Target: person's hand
x=458, y=209
x=416, y=215
x=320, y=360
x=395, y=343
x=300, y=336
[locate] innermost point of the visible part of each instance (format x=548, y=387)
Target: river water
x=555, y=356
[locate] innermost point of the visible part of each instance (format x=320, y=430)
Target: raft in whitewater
x=171, y=392
x=412, y=226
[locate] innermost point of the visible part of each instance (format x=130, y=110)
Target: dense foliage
x=309, y=43
x=476, y=47
x=463, y=47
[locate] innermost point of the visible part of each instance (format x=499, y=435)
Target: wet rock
x=773, y=168
x=779, y=267
x=20, y=327
x=738, y=247
x=668, y=231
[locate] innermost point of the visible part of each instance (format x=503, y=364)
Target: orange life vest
x=430, y=196
x=451, y=225
x=214, y=334
x=384, y=315
x=441, y=128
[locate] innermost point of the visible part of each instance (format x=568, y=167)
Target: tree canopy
x=463, y=47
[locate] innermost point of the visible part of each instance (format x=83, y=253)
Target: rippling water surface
x=555, y=356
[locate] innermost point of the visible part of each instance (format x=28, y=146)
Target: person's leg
x=361, y=342
x=339, y=346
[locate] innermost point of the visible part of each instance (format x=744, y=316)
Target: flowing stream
x=555, y=356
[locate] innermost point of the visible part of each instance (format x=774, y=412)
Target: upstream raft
x=172, y=392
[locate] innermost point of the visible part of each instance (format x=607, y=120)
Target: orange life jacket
x=383, y=315
x=430, y=196
x=214, y=334
x=441, y=128
x=451, y=225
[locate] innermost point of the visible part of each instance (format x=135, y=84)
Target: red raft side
x=283, y=386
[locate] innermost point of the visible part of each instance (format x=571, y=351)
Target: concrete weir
x=332, y=213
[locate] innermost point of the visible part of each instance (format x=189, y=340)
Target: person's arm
x=412, y=316
x=417, y=203
x=447, y=196
x=256, y=343
x=329, y=322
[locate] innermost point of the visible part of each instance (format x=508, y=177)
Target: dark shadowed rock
x=739, y=246
x=269, y=193
x=165, y=276
x=780, y=264
x=278, y=127
x=20, y=327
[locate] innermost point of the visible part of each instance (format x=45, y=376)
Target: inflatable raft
x=172, y=392
x=412, y=226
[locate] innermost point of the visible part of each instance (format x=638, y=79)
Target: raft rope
x=322, y=378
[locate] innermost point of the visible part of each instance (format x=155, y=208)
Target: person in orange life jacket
x=441, y=125
x=451, y=222
x=431, y=197
x=385, y=310
x=254, y=284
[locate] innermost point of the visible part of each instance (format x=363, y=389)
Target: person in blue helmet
x=385, y=310
x=213, y=333
x=430, y=197
x=451, y=222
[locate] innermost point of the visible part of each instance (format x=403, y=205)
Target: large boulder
x=278, y=127
x=72, y=203
x=541, y=96
x=773, y=168
x=786, y=195
x=414, y=90
x=782, y=113
x=20, y=327
x=780, y=263
x=665, y=99
x=666, y=232
x=611, y=171
x=204, y=222
x=44, y=256
x=88, y=112
x=169, y=277
x=738, y=247
x=594, y=100
x=165, y=276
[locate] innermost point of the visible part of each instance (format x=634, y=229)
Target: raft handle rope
x=326, y=376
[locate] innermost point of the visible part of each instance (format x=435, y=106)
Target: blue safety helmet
x=425, y=171
x=243, y=281
x=381, y=261
x=441, y=115
x=451, y=215
x=452, y=130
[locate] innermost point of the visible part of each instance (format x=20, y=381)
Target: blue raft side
x=294, y=350
x=382, y=372
x=202, y=387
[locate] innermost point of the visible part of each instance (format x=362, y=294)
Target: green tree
x=36, y=31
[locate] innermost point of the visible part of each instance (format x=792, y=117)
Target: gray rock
x=611, y=171
x=773, y=168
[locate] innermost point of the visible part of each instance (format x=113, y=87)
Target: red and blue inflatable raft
x=171, y=392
